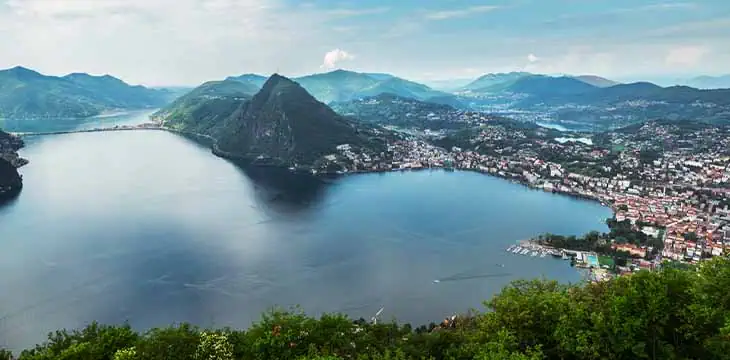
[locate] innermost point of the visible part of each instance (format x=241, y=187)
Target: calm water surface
x=152, y=228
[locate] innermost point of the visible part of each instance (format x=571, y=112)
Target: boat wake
x=471, y=277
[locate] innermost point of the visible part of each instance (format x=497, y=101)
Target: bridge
x=145, y=126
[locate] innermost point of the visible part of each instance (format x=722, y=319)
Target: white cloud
x=162, y=41
x=532, y=58
x=686, y=55
x=335, y=56
x=450, y=14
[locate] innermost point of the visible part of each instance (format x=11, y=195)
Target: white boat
x=534, y=253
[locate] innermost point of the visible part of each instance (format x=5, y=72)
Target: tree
x=214, y=346
x=6, y=355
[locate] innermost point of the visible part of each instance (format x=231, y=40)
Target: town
x=669, y=180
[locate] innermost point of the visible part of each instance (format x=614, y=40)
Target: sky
x=187, y=42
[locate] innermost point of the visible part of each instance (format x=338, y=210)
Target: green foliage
x=126, y=354
x=5, y=354
x=214, y=346
x=668, y=314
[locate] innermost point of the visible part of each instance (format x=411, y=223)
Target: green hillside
x=204, y=109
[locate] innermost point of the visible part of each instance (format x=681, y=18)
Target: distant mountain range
x=497, y=82
x=281, y=123
x=342, y=85
x=25, y=93
x=708, y=82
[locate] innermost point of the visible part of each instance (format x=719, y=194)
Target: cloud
x=686, y=55
x=165, y=42
x=532, y=58
x=450, y=14
x=335, y=56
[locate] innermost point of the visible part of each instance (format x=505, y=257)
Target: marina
x=587, y=262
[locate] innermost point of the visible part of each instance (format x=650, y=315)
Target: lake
x=151, y=228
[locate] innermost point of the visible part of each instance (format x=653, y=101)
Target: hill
x=596, y=81
x=254, y=79
x=490, y=80
x=543, y=86
x=338, y=85
x=204, y=109
x=280, y=124
x=672, y=313
x=25, y=93
x=390, y=109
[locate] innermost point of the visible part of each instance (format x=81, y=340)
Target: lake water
x=149, y=227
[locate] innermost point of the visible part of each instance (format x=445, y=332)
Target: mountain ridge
x=26, y=93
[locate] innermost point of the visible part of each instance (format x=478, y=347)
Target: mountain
x=403, y=88
x=115, y=91
x=25, y=93
x=379, y=76
x=491, y=80
x=285, y=123
x=547, y=86
x=255, y=79
x=343, y=85
x=281, y=124
x=203, y=109
x=708, y=82
x=338, y=85
x=596, y=81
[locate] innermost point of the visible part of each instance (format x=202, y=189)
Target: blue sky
x=175, y=42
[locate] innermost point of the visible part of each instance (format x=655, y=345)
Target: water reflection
x=283, y=191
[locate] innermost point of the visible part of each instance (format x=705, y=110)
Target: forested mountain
x=206, y=107
x=25, y=93
x=282, y=122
